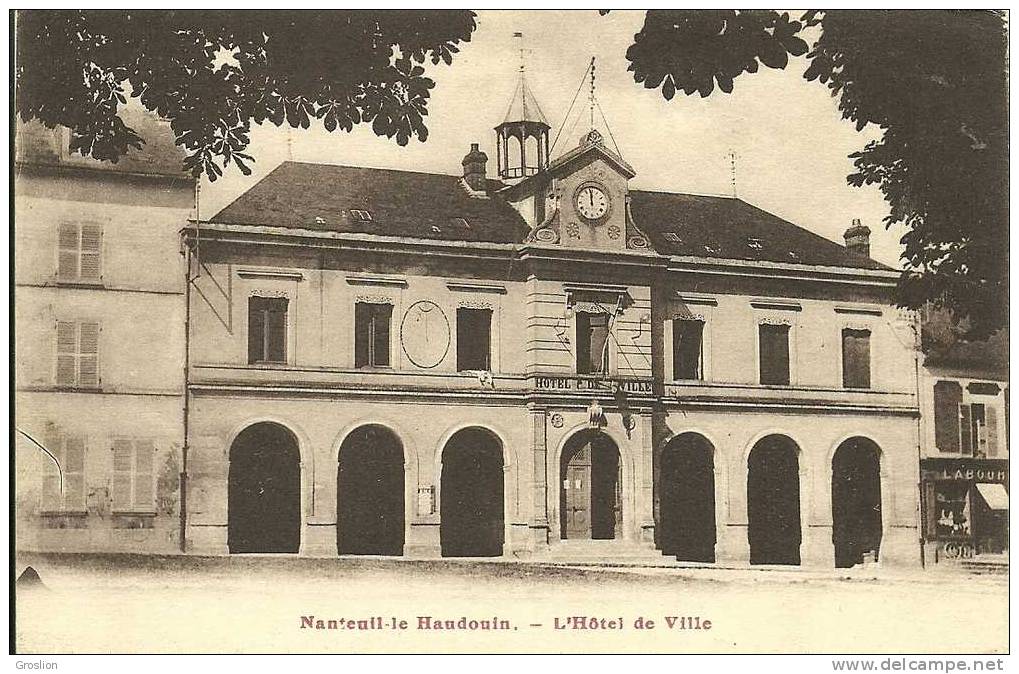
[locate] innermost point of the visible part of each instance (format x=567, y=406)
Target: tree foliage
x=934, y=82
x=213, y=73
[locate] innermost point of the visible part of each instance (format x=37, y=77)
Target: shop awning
x=994, y=494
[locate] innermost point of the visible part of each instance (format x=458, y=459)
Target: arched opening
x=514, y=153
x=773, y=501
x=532, y=158
x=370, y=493
x=856, y=502
x=687, y=499
x=590, y=488
x=471, y=495
x=264, y=491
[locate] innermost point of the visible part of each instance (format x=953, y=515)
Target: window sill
x=268, y=363
x=64, y=513
x=134, y=513
x=79, y=283
x=78, y=389
x=374, y=368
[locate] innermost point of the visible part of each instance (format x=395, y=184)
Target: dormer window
x=361, y=215
x=754, y=243
x=460, y=222
x=672, y=237
x=436, y=230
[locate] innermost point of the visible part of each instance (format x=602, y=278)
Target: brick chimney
x=858, y=238
x=474, y=168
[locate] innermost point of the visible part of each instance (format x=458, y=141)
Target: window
x=77, y=354
x=947, y=401
x=855, y=358
x=371, y=334
x=687, y=347
x=473, y=339
x=672, y=237
x=966, y=428
x=79, y=252
x=592, y=343
x=267, y=329
x=69, y=451
x=132, y=475
x=361, y=215
x=774, y=354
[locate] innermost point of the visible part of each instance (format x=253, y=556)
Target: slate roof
x=722, y=227
x=401, y=203
x=425, y=206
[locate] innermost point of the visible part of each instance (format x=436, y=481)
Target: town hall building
x=529, y=358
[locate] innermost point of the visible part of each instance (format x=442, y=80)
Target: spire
x=523, y=105
x=522, y=137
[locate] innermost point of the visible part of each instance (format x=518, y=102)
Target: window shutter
x=52, y=499
x=991, y=429
x=947, y=396
x=143, y=478
x=122, y=460
x=383, y=314
x=91, y=251
x=276, y=331
x=966, y=428
x=256, y=330
x=599, y=337
x=583, y=343
x=67, y=251
x=74, y=473
x=67, y=350
x=88, y=359
x=361, y=327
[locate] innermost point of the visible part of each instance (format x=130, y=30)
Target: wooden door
x=577, y=494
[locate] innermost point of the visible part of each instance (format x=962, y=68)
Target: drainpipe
x=919, y=441
x=187, y=389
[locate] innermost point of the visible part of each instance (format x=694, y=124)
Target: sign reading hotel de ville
x=442, y=331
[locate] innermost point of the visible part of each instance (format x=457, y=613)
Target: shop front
x=965, y=504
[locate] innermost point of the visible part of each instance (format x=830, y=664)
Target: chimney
x=474, y=169
x=858, y=238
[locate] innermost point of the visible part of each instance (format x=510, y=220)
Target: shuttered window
x=267, y=329
x=774, y=353
x=855, y=358
x=133, y=460
x=371, y=334
x=473, y=339
x=79, y=255
x=69, y=451
x=947, y=400
x=77, y=354
x=592, y=343
x=687, y=342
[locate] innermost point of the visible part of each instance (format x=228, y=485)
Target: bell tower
x=522, y=139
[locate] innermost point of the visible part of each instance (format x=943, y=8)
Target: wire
x=569, y=110
x=608, y=128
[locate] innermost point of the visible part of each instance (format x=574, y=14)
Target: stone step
x=603, y=551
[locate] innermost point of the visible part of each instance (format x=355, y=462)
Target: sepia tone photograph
x=531, y=331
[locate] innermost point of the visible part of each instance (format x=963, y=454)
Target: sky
x=790, y=142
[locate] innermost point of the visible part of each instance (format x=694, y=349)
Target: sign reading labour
x=634, y=386
x=978, y=470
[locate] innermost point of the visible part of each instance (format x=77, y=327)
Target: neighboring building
x=544, y=363
x=99, y=342
x=964, y=466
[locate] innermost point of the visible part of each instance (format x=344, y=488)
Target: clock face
x=592, y=202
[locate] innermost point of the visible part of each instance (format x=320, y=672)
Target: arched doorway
x=856, y=501
x=370, y=493
x=264, y=491
x=773, y=501
x=471, y=495
x=686, y=503
x=590, y=488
